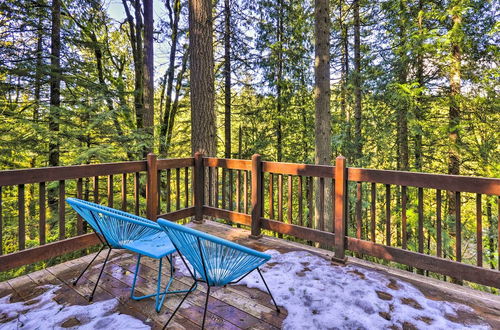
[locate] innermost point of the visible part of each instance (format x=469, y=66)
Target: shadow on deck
x=232, y=307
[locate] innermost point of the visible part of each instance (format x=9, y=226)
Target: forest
x=389, y=84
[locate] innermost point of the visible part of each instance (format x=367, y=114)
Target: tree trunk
x=357, y=82
x=344, y=72
x=227, y=79
x=419, y=109
x=174, y=25
x=203, y=131
x=148, y=71
x=55, y=94
x=322, y=107
x=279, y=78
x=402, y=107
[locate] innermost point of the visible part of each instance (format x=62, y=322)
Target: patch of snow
x=43, y=312
x=319, y=295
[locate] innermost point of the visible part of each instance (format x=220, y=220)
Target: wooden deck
x=234, y=307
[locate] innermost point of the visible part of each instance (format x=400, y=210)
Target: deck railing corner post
x=340, y=208
x=152, y=187
x=257, y=193
x=199, y=187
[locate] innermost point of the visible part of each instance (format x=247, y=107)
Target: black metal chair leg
x=87, y=267
x=206, y=305
x=178, y=306
x=100, y=274
x=274, y=301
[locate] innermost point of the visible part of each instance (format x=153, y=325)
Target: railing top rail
x=299, y=169
x=233, y=164
x=35, y=175
x=461, y=183
x=164, y=164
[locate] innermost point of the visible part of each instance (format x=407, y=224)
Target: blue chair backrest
x=218, y=261
x=116, y=226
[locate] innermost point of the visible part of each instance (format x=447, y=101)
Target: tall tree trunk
x=323, y=152
x=174, y=25
x=402, y=107
x=455, y=84
x=227, y=79
x=148, y=71
x=39, y=63
x=357, y=82
x=203, y=132
x=419, y=109
x=344, y=72
x=279, y=82
x=55, y=92
x=175, y=104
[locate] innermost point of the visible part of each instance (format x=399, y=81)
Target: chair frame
x=199, y=280
x=105, y=243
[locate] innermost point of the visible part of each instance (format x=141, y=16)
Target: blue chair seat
x=155, y=246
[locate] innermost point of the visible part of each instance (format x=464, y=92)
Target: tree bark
x=402, y=107
x=55, y=95
x=148, y=72
x=419, y=109
x=344, y=73
x=203, y=131
x=227, y=79
x=55, y=83
x=279, y=78
x=357, y=82
x=164, y=146
x=322, y=125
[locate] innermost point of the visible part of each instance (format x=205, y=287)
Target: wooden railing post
x=199, y=187
x=340, y=208
x=152, y=187
x=256, y=195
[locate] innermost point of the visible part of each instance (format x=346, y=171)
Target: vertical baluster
x=479, y=230
x=299, y=192
x=1, y=222
x=245, y=191
x=62, y=210
x=321, y=204
x=124, y=192
x=458, y=226
x=358, y=210
x=96, y=189
x=280, y=197
x=439, y=251
x=223, y=188
x=271, y=195
x=177, y=188
x=21, y=219
x=79, y=194
x=168, y=191
x=137, y=183
x=333, y=206
x=420, y=220
x=373, y=210
x=110, y=190
x=388, y=215
x=403, y=217
x=216, y=197
x=498, y=225
x=210, y=186
x=290, y=204
x=42, y=219
x=230, y=188
x=238, y=195
x=309, y=201
x=186, y=186
x=158, y=190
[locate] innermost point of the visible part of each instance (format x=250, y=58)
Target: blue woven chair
x=121, y=230
x=217, y=261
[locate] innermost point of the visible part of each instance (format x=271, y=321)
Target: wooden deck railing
x=424, y=220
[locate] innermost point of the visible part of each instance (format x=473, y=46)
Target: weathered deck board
x=233, y=307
